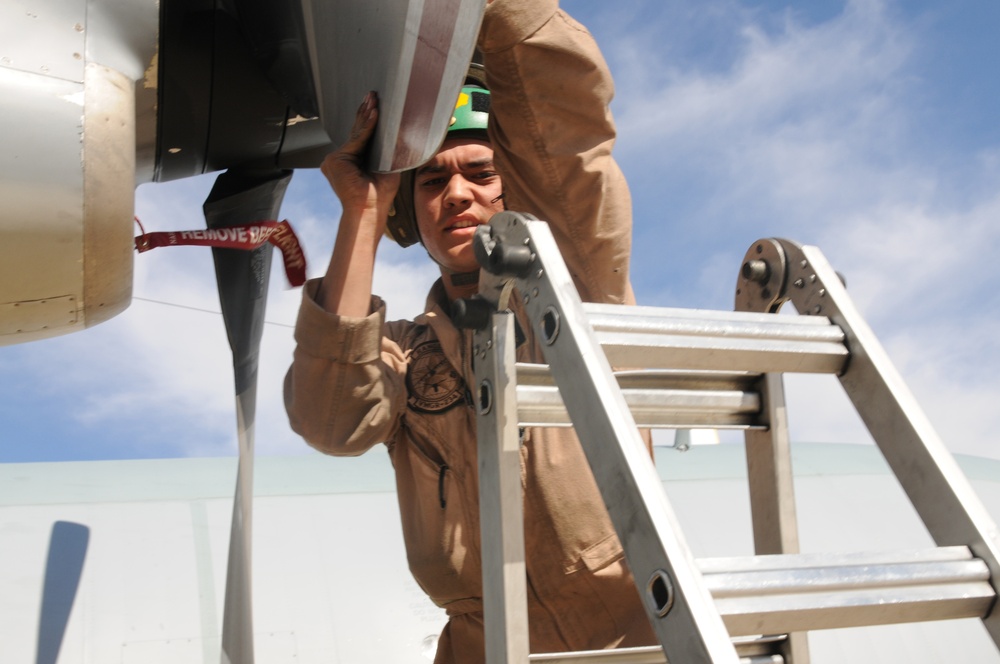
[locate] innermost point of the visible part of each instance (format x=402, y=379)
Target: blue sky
x=868, y=128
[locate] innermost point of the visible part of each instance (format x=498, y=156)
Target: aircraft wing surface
x=124, y=561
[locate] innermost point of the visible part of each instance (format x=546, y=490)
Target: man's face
x=454, y=193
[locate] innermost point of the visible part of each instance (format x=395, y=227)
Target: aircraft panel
x=41, y=222
x=413, y=54
x=330, y=576
x=57, y=32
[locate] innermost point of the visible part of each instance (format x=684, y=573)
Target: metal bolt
x=757, y=271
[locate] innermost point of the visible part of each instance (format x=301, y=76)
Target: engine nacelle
x=102, y=95
x=67, y=168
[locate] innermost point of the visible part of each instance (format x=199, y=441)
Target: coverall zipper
x=441, y=497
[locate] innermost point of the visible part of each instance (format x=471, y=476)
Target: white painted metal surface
x=425, y=48
x=330, y=577
x=68, y=70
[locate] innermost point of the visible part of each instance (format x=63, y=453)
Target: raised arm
x=346, y=379
x=365, y=197
x=552, y=133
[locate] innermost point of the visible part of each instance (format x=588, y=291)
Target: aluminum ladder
x=708, y=369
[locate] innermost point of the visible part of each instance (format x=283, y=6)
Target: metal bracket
x=775, y=271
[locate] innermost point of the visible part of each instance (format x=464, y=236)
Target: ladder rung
x=788, y=593
x=647, y=655
x=625, y=349
x=656, y=398
x=757, y=650
x=708, y=322
x=708, y=340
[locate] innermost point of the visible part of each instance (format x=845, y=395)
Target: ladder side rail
x=501, y=511
x=928, y=473
x=770, y=477
x=676, y=599
x=772, y=492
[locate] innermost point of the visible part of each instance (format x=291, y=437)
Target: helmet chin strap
x=464, y=278
x=456, y=279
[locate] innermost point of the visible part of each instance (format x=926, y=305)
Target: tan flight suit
x=358, y=382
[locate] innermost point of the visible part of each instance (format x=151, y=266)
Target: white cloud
x=813, y=132
x=801, y=117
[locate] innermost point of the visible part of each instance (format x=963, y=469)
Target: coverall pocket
x=436, y=527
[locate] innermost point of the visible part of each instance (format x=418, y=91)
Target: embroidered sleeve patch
x=433, y=384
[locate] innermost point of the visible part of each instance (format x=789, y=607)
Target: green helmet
x=471, y=114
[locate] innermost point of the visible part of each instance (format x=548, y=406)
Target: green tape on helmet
x=472, y=112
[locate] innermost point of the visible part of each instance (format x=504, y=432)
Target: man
x=357, y=381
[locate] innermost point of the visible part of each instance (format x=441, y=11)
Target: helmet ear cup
x=402, y=224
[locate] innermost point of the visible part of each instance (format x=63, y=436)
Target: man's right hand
x=356, y=187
